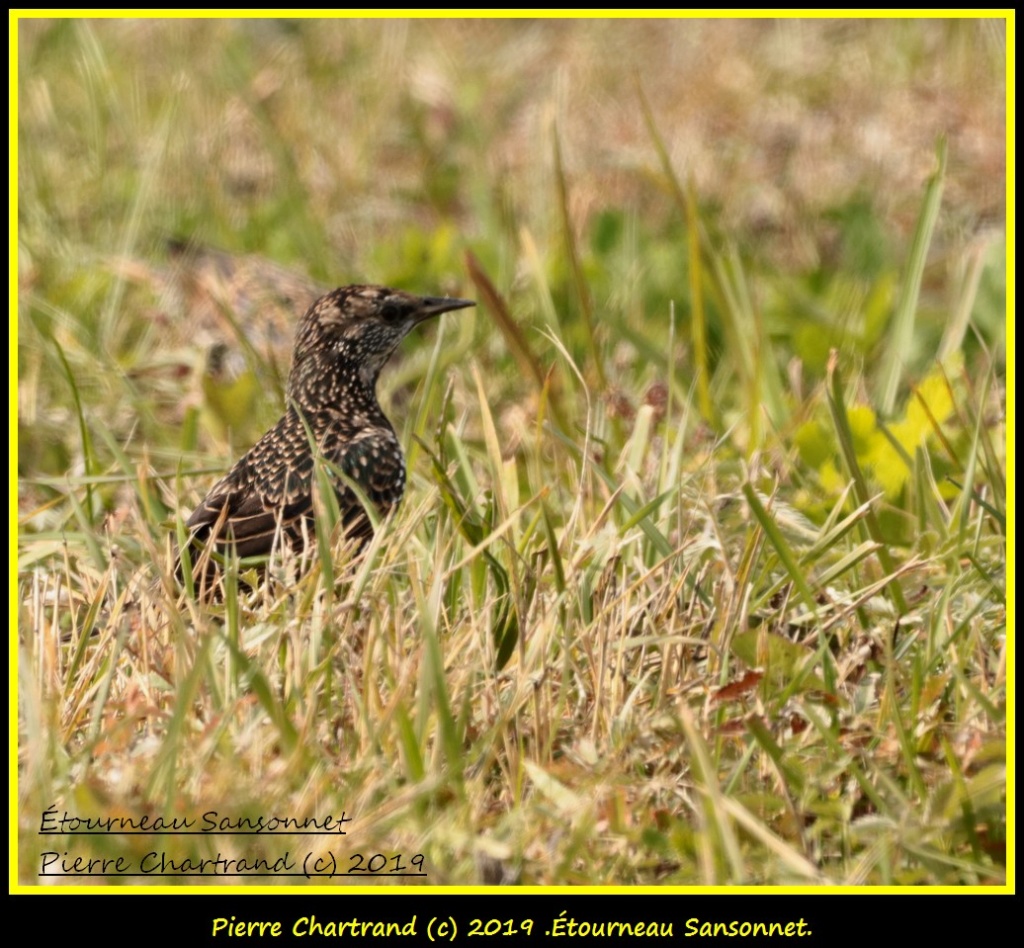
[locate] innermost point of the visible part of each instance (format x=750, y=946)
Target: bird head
x=358, y=328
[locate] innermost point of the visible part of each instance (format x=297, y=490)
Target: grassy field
x=700, y=575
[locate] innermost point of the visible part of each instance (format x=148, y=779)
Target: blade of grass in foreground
x=252, y=673
x=717, y=824
x=579, y=281
x=901, y=333
x=781, y=546
x=517, y=342
x=88, y=455
x=837, y=407
x=163, y=779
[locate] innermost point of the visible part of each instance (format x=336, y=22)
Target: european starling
x=343, y=342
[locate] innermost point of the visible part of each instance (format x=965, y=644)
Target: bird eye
x=390, y=311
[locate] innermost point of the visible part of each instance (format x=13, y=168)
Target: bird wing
x=372, y=460
x=270, y=490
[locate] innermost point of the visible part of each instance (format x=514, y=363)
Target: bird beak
x=435, y=305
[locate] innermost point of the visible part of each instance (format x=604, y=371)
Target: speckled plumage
x=343, y=342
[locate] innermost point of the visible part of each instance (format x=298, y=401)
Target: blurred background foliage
x=381, y=151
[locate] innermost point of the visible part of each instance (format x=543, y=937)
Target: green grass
x=699, y=577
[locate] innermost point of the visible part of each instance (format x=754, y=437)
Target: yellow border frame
x=15, y=16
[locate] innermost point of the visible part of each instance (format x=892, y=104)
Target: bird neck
x=320, y=383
